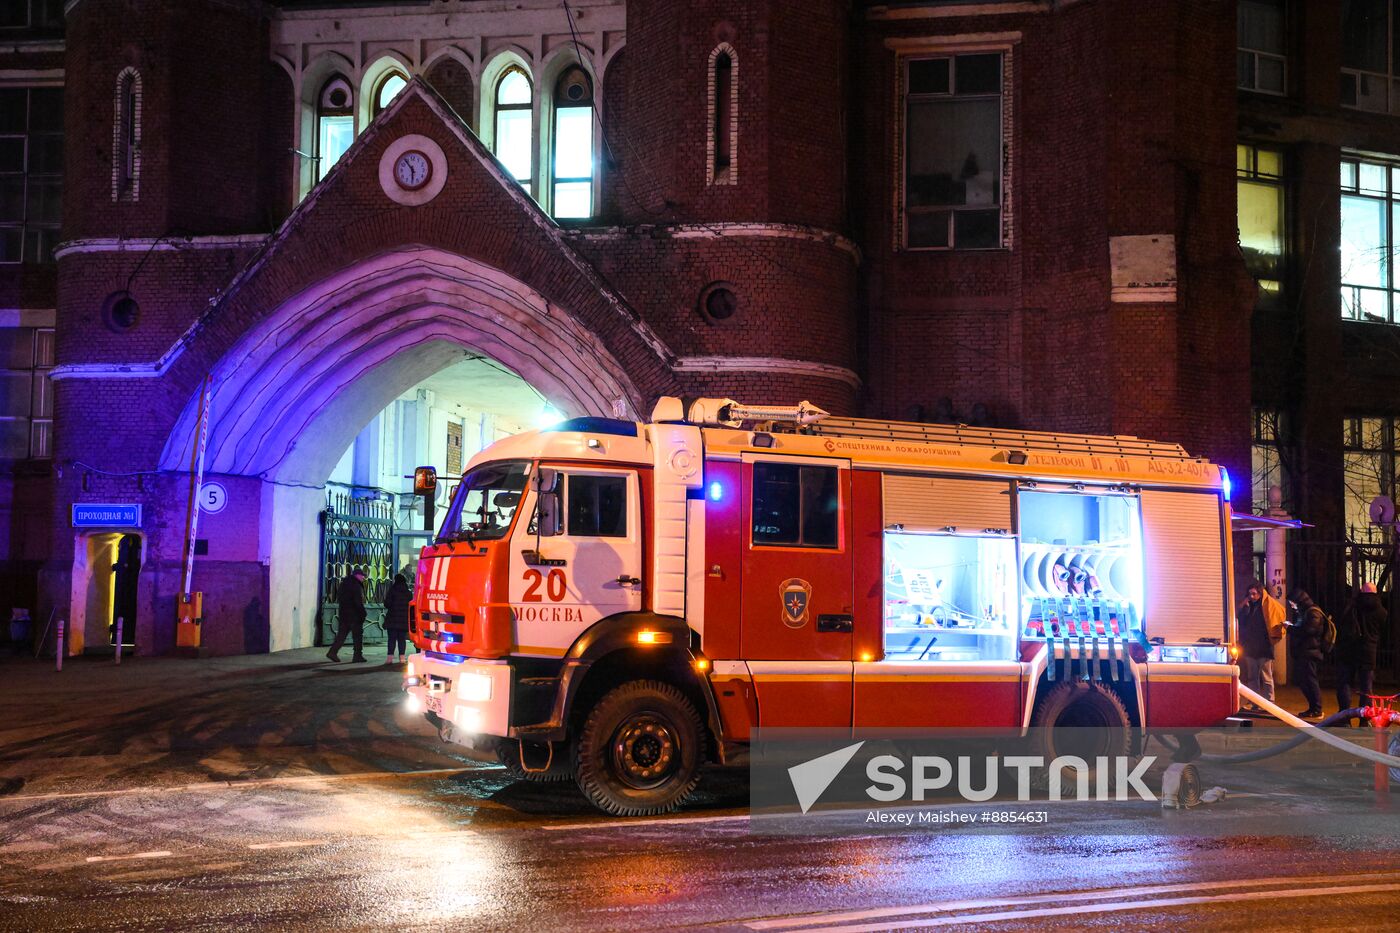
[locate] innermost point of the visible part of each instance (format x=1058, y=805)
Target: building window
x=953, y=164
x=1370, y=201
x=1368, y=56
x=1261, y=57
x=335, y=124
x=31, y=172
x=514, y=126
x=1266, y=457
x=1368, y=471
x=126, y=138
x=572, y=162
x=1260, y=196
x=31, y=14
x=26, y=394
x=723, y=142
x=389, y=87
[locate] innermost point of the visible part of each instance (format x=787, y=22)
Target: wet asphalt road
x=282, y=793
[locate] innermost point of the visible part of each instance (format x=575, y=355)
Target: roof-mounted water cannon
x=728, y=412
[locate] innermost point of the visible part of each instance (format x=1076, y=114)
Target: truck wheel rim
x=645, y=751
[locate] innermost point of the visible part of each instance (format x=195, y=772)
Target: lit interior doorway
x=371, y=519
x=106, y=576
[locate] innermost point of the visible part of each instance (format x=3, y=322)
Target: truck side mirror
x=549, y=506
x=424, y=481
x=425, y=485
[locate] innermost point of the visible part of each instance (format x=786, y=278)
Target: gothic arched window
x=571, y=164
x=514, y=135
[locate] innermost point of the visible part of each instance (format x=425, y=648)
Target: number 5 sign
x=212, y=498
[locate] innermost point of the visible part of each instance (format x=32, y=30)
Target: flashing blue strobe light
x=716, y=491
x=1225, y=484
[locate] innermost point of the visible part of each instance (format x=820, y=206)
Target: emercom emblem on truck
x=795, y=594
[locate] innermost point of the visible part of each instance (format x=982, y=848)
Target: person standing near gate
x=1358, y=637
x=396, y=619
x=351, y=595
x=1306, y=651
x=1261, y=627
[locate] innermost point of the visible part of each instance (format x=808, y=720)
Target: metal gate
x=357, y=533
x=1332, y=572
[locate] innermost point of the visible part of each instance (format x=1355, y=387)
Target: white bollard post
x=58, y=655
x=119, y=639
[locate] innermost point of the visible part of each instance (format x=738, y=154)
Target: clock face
x=412, y=170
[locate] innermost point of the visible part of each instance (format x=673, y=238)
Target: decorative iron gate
x=356, y=534
x=1332, y=572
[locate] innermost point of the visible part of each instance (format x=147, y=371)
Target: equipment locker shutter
x=934, y=503
x=1183, y=557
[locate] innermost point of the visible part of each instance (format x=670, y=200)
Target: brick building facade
x=1018, y=213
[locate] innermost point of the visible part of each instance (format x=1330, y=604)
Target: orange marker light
x=649, y=637
x=702, y=664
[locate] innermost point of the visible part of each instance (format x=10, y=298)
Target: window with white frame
x=31, y=172
x=1370, y=208
x=1260, y=198
x=335, y=123
x=1261, y=56
x=126, y=137
x=514, y=129
x=571, y=162
x=1369, y=73
x=954, y=170
x=26, y=394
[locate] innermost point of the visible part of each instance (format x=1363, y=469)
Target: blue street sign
x=106, y=514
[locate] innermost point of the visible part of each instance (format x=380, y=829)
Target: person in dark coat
x=1358, y=636
x=396, y=619
x=351, y=595
x=1305, y=651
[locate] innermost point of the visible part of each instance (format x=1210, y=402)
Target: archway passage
x=285, y=397
x=459, y=350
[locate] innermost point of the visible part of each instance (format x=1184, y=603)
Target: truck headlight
x=474, y=688
x=413, y=704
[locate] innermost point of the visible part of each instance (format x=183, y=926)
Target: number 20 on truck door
x=556, y=586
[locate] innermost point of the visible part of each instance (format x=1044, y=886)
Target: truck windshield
x=485, y=502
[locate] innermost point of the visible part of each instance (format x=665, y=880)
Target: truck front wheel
x=639, y=752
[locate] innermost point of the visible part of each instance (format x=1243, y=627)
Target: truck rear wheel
x=1078, y=719
x=639, y=751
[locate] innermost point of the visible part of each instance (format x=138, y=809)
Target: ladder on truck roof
x=962, y=434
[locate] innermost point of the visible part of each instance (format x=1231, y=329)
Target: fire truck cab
x=621, y=603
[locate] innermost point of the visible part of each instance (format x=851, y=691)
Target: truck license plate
x=434, y=704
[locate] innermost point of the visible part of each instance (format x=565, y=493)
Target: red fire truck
x=621, y=603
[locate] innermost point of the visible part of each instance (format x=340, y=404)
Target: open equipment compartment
x=949, y=597
x=1081, y=567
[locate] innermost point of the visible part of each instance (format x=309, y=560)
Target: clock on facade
x=412, y=170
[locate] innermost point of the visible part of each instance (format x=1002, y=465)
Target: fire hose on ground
x=1378, y=716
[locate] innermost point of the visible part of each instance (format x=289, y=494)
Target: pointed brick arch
x=291, y=394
